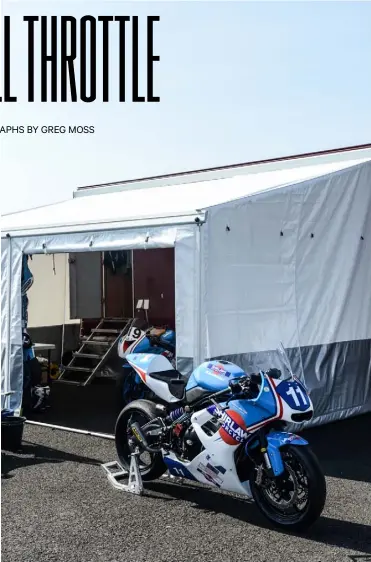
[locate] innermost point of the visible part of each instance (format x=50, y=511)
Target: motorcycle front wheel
x=296, y=499
x=151, y=465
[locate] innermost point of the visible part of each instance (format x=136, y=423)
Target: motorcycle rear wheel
x=307, y=482
x=142, y=411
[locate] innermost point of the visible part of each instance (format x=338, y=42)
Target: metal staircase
x=95, y=350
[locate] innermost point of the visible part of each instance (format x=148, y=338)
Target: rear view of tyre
x=151, y=465
x=295, y=500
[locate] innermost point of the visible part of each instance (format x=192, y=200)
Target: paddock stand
x=115, y=472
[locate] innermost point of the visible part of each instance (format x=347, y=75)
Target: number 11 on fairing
x=295, y=392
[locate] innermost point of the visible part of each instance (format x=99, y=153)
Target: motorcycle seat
x=175, y=381
x=166, y=375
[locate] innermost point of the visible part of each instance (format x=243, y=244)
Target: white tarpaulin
x=143, y=207
x=260, y=258
x=5, y=324
x=295, y=264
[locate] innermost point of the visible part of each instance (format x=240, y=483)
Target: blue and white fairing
x=235, y=422
x=214, y=375
x=144, y=364
x=137, y=341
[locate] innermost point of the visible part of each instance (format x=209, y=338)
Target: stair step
x=118, y=320
x=101, y=337
x=81, y=369
x=87, y=355
x=66, y=381
x=95, y=342
x=105, y=331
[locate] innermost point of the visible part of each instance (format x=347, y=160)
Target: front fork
x=263, y=446
x=269, y=446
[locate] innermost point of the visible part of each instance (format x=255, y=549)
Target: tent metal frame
x=196, y=220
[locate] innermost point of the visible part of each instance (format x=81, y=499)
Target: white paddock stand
x=116, y=473
x=130, y=481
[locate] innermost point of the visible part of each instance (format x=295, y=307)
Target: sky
x=238, y=81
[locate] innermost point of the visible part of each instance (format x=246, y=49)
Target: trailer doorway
x=109, y=284
x=100, y=287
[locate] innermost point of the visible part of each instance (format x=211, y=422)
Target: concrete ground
x=57, y=505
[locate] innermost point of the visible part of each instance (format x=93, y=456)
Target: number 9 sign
x=134, y=334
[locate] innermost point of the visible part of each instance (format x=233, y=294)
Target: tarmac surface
x=57, y=505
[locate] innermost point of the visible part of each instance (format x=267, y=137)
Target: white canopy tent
x=261, y=258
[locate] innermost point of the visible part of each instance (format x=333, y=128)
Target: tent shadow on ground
x=327, y=530
x=91, y=408
x=37, y=454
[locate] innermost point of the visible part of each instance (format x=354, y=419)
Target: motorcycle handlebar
x=243, y=384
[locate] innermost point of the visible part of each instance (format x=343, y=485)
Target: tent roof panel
x=172, y=204
x=227, y=171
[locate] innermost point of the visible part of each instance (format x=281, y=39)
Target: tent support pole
x=66, y=273
x=197, y=346
x=132, y=282
x=72, y=430
x=7, y=388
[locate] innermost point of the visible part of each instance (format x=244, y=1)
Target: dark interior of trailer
x=108, y=293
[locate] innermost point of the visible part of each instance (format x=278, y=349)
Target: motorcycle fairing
x=215, y=466
x=256, y=412
x=214, y=375
x=206, y=469
x=145, y=364
x=217, y=456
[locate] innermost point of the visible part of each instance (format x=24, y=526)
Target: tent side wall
x=186, y=296
x=333, y=292
x=294, y=265
x=181, y=237
x=5, y=277
x=11, y=323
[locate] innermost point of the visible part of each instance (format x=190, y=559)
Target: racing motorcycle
x=226, y=428
x=157, y=341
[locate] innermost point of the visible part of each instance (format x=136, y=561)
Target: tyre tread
x=149, y=409
x=317, y=491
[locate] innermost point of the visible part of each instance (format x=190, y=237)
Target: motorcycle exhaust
x=140, y=437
